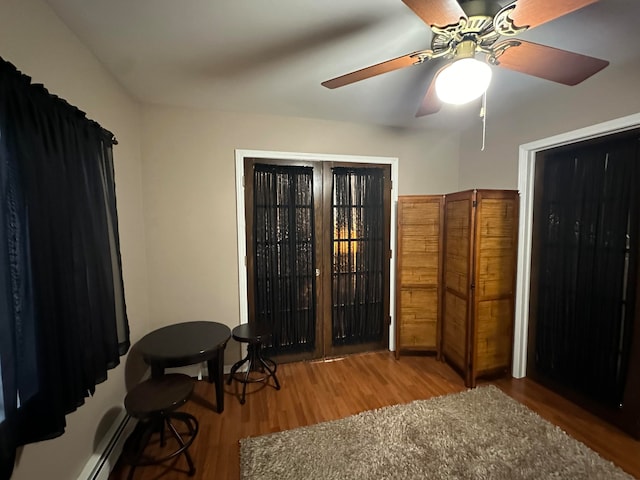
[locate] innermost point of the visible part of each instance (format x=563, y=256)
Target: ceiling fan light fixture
x=463, y=81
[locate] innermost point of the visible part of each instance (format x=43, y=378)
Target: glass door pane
x=283, y=243
x=359, y=263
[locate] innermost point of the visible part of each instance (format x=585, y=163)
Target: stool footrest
x=133, y=455
x=256, y=362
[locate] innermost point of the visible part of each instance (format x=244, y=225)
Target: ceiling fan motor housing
x=465, y=49
x=481, y=8
x=452, y=41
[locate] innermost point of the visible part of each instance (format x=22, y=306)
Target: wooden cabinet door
x=480, y=248
x=458, y=273
x=419, y=267
x=495, y=252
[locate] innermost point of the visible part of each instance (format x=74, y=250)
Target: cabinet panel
x=454, y=330
x=496, y=228
x=493, y=335
x=419, y=313
x=422, y=210
x=456, y=238
x=480, y=267
x=419, y=271
x=420, y=257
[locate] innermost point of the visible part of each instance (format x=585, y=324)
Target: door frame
x=526, y=182
x=240, y=155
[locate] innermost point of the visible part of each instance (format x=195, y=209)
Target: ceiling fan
x=464, y=29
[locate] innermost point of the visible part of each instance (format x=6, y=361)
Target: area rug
x=477, y=434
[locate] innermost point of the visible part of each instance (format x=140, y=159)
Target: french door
x=318, y=251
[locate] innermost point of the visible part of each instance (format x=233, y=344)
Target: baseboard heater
x=109, y=449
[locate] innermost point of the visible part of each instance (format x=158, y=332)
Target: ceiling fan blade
x=430, y=103
x=372, y=71
x=531, y=13
x=550, y=63
x=437, y=12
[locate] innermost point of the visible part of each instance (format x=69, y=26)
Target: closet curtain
x=588, y=235
x=63, y=320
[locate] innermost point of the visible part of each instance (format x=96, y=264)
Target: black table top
x=187, y=343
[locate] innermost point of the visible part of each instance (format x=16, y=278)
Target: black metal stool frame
x=156, y=418
x=253, y=335
x=155, y=423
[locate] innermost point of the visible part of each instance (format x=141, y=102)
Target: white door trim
x=314, y=157
x=526, y=177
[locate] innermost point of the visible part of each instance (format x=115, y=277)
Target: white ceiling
x=269, y=56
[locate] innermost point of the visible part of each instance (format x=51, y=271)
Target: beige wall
x=38, y=44
x=610, y=94
x=175, y=175
x=189, y=243
x=190, y=194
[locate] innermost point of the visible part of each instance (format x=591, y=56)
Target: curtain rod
x=11, y=69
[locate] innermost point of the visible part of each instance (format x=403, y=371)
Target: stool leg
x=272, y=372
x=161, y=428
x=192, y=468
x=251, y=358
x=140, y=439
x=270, y=366
x=235, y=368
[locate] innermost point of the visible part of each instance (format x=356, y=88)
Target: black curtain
x=587, y=230
x=283, y=232
x=63, y=317
x=358, y=255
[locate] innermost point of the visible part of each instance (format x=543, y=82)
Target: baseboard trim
x=106, y=456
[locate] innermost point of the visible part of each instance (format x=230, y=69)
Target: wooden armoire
x=455, y=283
x=419, y=271
x=479, y=277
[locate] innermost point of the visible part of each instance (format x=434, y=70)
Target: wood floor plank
x=314, y=392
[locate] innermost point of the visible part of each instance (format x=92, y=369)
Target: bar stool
x=153, y=403
x=253, y=335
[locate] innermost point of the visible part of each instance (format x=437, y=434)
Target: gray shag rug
x=477, y=434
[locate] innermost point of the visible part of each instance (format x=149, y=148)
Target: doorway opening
x=625, y=412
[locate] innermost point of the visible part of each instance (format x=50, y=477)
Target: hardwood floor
x=315, y=392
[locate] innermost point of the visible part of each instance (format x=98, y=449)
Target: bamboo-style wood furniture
x=419, y=268
x=480, y=249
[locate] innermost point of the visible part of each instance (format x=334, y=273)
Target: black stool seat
x=153, y=402
x=253, y=335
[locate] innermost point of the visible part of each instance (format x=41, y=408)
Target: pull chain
x=483, y=116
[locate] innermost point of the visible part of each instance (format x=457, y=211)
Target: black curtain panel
x=283, y=232
x=63, y=317
x=358, y=255
x=588, y=236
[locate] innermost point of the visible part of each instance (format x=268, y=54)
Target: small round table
x=253, y=335
x=188, y=343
